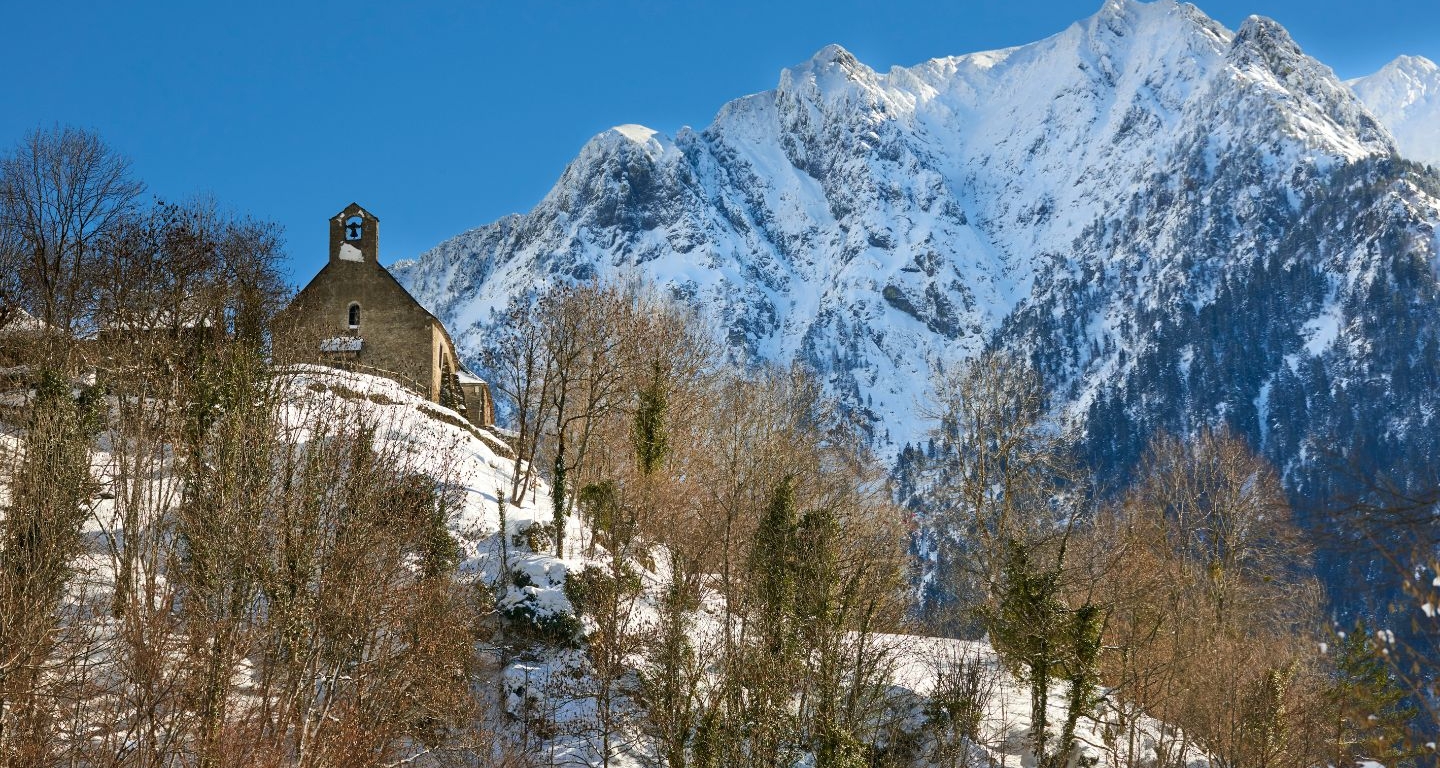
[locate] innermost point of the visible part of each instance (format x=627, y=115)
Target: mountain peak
x=1264, y=33
x=1416, y=69
x=1121, y=15
x=636, y=133
x=830, y=62
x=1405, y=96
x=626, y=138
x=1120, y=9
x=831, y=73
x=1414, y=64
x=832, y=55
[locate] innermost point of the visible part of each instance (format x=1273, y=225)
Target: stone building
x=354, y=314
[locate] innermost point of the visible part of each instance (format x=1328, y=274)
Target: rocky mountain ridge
x=1180, y=224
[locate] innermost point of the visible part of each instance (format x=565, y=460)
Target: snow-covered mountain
x=1405, y=95
x=1179, y=223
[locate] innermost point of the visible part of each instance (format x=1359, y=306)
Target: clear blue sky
x=444, y=116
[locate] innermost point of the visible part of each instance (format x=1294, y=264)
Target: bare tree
x=522, y=368
x=1002, y=475
x=12, y=275
x=60, y=189
x=582, y=328
x=1200, y=568
x=48, y=494
x=1009, y=496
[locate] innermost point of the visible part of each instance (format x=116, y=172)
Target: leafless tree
x=1003, y=474
x=60, y=189
x=1200, y=567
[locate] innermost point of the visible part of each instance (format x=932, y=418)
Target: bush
x=550, y=628
x=590, y=589
x=539, y=537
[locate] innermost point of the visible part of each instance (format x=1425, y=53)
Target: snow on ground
x=438, y=441
x=550, y=683
x=918, y=663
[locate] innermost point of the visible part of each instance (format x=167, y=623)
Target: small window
x=354, y=315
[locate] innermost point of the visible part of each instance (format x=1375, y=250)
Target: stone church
x=355, y=315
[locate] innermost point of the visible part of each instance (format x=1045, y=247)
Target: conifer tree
x=1371, y=711
x=773, y=564
x=1024, y=631
x=652, y=441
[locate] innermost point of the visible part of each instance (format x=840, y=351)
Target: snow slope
x=1179, y=224
x=1405, y=96
x=426, y=437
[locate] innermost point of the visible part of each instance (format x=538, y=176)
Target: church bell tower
x=355, y=236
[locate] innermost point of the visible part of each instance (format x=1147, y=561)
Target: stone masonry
x=355, y=315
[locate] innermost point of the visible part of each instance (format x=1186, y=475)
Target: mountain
x=1405, y=95
x=1178, y=223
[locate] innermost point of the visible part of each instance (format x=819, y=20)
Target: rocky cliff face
x=1180, y=224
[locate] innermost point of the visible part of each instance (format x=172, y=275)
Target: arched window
x=354, y=315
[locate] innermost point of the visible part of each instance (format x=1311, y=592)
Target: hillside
x=549, y=680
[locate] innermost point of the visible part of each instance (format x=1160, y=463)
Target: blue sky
x=444, y=116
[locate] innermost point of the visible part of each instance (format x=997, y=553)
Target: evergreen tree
x=652, y=441
x=774, y=561
x=1024, y=632
x=1371, y=710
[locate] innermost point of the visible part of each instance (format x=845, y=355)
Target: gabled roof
x=353, y=209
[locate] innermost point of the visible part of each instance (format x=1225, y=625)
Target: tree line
x=1181, y=612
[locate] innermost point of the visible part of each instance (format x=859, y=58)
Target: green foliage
x=1083, y=634
x=774, y=566
x=652, y=440
x=521, y=579
x=1372, y=709
x=425, y=505
x=539, y=537
x=837, y=747
x=600, y=502
x=1023, y=628
x=559, y=491
x=548, y=628
x=1027, y=615
x=1043, y=641
x=593, y=588
x=816, y=573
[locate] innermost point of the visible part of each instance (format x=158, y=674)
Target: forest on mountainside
x=207, y=559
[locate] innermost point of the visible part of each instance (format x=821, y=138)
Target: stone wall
x=394, y=335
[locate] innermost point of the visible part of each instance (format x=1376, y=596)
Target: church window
x=354, y=315
x=354, y=228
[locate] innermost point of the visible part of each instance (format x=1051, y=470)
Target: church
x=355, y=315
